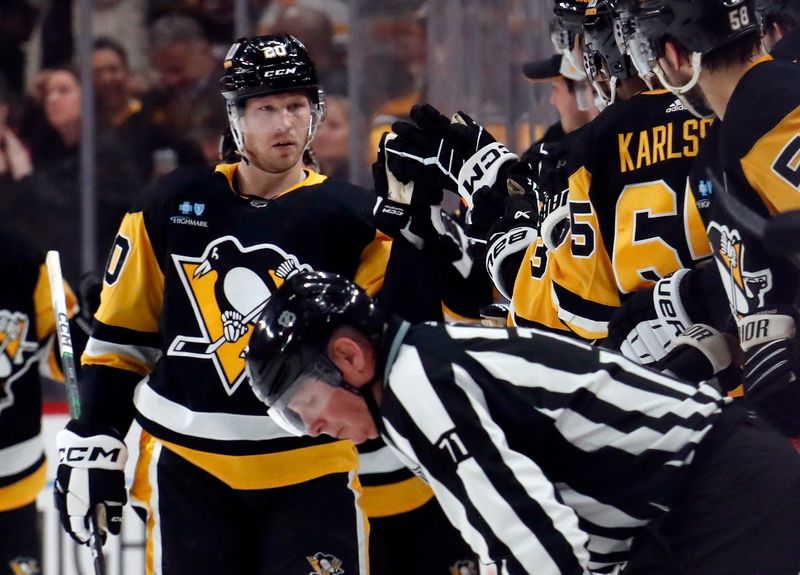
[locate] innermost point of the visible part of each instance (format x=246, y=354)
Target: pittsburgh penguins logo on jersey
x=325, y=564
x=16, y=351
x=228, y=286
x=746, y=288
x=24, y=566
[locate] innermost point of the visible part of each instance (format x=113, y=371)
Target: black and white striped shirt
x=548, y=454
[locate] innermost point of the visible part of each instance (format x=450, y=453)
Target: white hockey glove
x=701, y=353
x=90, y=479
x=458, y=155
x=772, y=368
x=512, y=234
x=645, y=328
x=555, y=219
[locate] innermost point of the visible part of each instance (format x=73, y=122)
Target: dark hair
x=737, y=53
x=570, y=84
x=106, y=43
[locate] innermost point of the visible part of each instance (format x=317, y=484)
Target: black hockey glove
x=488, y=202
x=772, y=368
x=404, y=206
x=412, y=211
x=701, y=353
x=458, y=155
x=646, y=326
x=510, y=235
x=90, y=479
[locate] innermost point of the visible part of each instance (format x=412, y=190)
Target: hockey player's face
x=333, y=411
x=275, y=130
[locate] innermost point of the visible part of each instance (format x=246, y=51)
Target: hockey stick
x=186, y=346
x=71, y=381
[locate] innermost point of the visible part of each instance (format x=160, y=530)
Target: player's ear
x=675, y=55
x=347, y=354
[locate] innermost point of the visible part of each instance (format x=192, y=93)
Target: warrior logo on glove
x=229, y=285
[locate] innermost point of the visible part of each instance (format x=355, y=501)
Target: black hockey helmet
x=699, y=25
x=292, y=333
x=265, y=65
x=602, y=58
x=769, y=11
x=569, y=14
x=268, y=65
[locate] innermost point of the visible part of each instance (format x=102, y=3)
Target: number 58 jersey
x=630, y=218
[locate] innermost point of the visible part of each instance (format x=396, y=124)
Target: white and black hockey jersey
x=549, y=455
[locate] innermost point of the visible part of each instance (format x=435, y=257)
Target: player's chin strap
x=681, y=91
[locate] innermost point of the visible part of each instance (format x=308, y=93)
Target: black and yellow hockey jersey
x=631, y=218
x=186, y=278
x=27, y=323
x=759, y=162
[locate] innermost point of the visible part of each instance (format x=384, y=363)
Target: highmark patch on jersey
x=228, y=286
x=16, y=351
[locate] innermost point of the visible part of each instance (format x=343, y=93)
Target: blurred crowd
x=156, y=66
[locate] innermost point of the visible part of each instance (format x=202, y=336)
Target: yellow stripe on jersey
x=532, y=297
x=117, y=361
x=453, y=317
x=133, y=264
x=273, y=469
x=312, y=178
x=772, y=166
x=24, y=491
x=395, y=498
x=373, y=262
x=142, y=492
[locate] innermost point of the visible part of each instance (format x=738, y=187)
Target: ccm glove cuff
x=90, y=479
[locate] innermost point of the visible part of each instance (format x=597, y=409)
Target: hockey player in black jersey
x=714, y=61
x=225, y=489
x=550, y=456
x=629, y=218
x=27, y=325
x=779, y=28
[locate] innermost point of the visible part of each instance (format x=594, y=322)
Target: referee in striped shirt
x=549, y=455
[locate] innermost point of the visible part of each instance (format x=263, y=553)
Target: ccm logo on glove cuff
x=94, y=452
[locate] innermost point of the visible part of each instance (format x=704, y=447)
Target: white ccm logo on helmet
x=281, y=72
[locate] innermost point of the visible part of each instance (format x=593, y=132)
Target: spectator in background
x=186, y=99
x=123, y=118
x=50, y=208
x=313, y=27
x=332, y=139
x=15, y=160
x=338, y=12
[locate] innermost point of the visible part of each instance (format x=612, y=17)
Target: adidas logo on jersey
x=676, y=106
